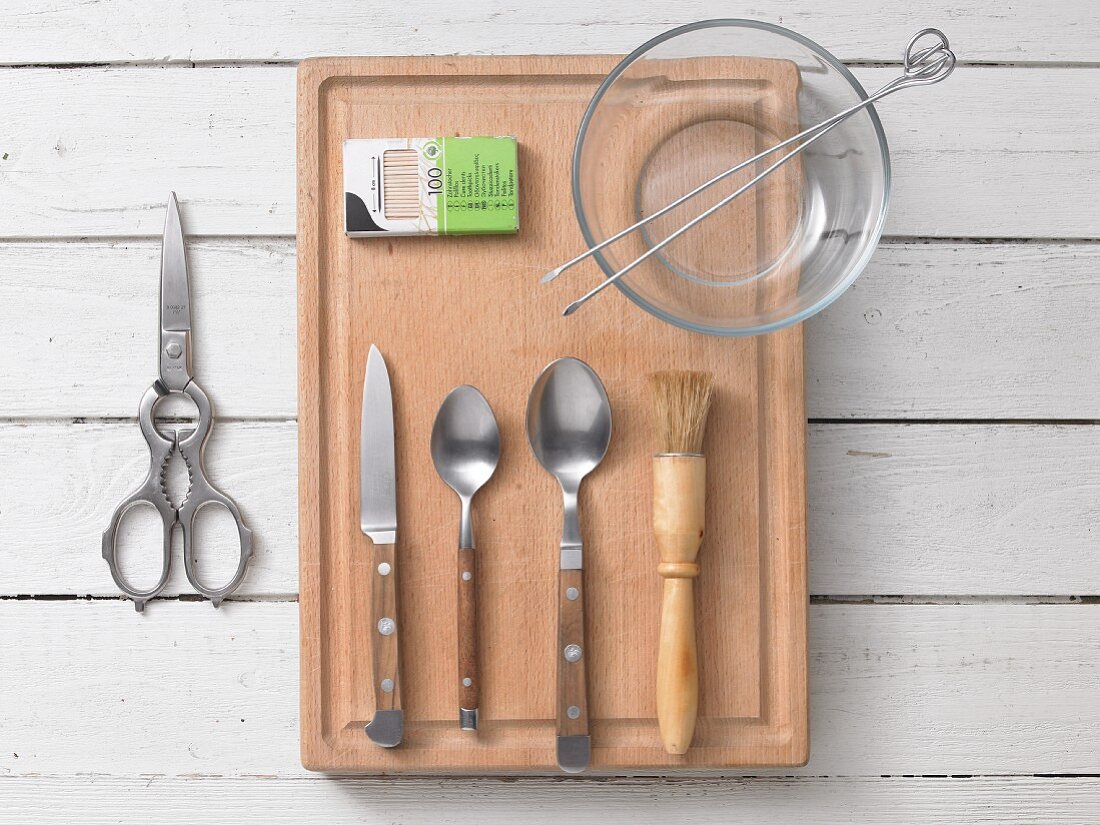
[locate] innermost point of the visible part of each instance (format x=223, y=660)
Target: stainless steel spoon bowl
x=465, y=449
x=569, y=429
x=569, y=424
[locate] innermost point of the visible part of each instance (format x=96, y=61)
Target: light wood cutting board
x=448, y=311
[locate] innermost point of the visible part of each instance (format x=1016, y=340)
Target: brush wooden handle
x=679, y=499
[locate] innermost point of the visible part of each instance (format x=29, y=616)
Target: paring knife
x=378, y=521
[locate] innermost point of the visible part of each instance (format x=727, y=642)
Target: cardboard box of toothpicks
x=430, y=186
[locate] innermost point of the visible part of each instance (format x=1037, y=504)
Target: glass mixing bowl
x=696, y=101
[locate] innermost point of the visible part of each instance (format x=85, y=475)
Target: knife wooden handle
x=573, y=742
x=387, y=727
x=467, y=639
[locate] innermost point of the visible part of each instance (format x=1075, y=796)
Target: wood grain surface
x=952, y=455
x=931, y=511
x=1018, y=678
x=931, y=331
x=1012, y=162
x=55, y=31
x=409, y=296
x=875, y=800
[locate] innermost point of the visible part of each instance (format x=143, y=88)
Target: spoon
x=569, y=429
x=466, y=449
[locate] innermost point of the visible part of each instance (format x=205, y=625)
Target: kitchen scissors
x=175, y=378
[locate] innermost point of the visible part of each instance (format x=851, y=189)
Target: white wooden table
x=954, y=394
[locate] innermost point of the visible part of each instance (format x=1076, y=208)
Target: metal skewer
x=925, y=67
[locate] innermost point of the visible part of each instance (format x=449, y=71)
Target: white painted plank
x=79, y=326
x=96, y=151
x=61, y=483
x=993, y=152
x=960, y=510
x=186, y=690
x=933, y=690
x=942, y=331
x=929, y=331
x=58, y=31
x=98, y=800
x=917, y=510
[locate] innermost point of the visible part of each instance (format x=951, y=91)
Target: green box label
x=479, y=180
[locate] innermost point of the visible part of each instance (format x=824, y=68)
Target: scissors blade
x=377, y=477
x=175, y=300
x=175, y=305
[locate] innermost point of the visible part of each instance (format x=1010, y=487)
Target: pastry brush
x=682, y=403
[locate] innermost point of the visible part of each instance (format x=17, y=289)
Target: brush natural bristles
x=681, y=402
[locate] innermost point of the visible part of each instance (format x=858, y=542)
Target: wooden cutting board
x=448, y=311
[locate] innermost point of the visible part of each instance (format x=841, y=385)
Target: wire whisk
x=922, y=66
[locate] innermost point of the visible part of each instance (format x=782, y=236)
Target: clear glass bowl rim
x=856, y=269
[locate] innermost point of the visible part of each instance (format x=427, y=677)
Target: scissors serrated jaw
x=175, y=304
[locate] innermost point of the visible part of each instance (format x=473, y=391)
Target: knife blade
x=378, y=521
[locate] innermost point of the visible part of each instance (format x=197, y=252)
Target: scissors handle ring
x=192, y=446
x=150, y=492
x=202, y=493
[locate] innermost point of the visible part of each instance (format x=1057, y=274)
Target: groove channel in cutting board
x=446, y=311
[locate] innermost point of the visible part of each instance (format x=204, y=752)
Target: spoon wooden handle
x=468, y=676
x=573, y=741
x=679, y=497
